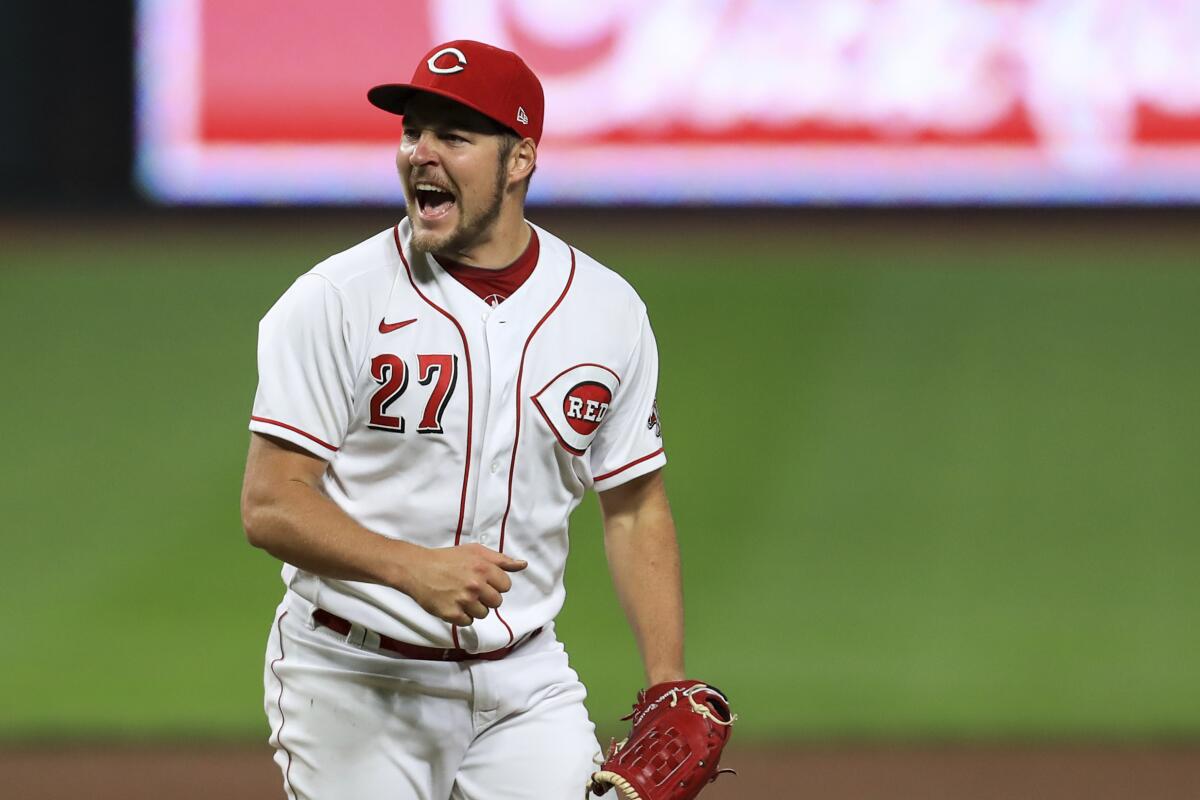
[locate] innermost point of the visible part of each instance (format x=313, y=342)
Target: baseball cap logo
x=459, y=65
x=496, y=83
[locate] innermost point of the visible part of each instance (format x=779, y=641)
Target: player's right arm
x=285, y=512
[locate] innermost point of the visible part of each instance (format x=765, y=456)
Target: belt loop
x=357, y=635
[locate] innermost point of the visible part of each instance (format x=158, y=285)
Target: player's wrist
x=665, y=674
x=398, y=567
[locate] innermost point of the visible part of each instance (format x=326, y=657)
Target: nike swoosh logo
x=388, y=327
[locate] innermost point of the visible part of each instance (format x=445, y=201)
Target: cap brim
x=393, y=97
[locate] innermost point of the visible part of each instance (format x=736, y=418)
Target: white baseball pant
x=351, y=722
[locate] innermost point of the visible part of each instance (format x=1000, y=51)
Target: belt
x=417, y=651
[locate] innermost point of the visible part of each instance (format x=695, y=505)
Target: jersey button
x=495, y=467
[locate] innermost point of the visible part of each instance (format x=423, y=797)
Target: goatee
x=470, y=231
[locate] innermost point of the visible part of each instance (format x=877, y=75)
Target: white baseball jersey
x=446, y=421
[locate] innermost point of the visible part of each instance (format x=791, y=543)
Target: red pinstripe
x=294, y=429
x=520, y=374
x=634, y=463
x=577, y=366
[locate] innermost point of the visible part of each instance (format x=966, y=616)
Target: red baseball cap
x=494, y=82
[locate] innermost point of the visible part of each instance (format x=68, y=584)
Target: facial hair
x=471, y=229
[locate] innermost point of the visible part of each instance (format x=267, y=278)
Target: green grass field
x=930, y=481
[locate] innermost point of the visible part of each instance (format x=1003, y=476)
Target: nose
x=422, y=151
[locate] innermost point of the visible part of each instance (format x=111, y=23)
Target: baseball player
x=432, y=405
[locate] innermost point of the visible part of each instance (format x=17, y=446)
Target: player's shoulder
x=595, y=283
x=355, y=283
x=364, y=269
x=347, y=286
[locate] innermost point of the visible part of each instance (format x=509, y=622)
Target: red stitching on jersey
x=619, y=470
x=287, y=773
x=294, y=429
x=462, y=506
x=506, y=627
x=512, y=465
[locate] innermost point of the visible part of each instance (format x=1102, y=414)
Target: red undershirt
x=494, y=286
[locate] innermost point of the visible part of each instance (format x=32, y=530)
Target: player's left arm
x=643, y=557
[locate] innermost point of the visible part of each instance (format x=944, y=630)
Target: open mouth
x=433, y=201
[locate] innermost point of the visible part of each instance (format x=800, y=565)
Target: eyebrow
x=443, y=125
x=470, y=124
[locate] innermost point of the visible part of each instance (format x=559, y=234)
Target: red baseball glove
x=679, y=731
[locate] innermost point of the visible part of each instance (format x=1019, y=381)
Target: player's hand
x=461, y=584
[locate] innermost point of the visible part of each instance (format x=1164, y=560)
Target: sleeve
x=305, y=369
x=629, y=443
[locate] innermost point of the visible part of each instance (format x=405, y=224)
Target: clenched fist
x=460, y=584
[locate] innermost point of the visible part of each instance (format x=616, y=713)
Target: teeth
x=429, y=187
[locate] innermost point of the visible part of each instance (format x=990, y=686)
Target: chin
x=431, y=238
x=429, y=241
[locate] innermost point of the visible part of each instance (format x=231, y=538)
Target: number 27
x=391, y=373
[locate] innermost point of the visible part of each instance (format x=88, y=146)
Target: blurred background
x=924, y=275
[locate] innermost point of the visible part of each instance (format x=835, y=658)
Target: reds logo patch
x=575, y=402
x=585, y=406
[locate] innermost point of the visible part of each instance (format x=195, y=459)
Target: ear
x=521, y=161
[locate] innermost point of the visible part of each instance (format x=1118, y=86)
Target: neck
x=500, y=246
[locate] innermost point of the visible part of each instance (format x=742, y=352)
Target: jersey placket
x=496, y=429
x=494, y=379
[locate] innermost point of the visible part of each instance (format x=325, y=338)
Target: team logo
x=585, y=406
x=576, y=402
x=653, y=423
x=388, y=327
x=459, y=65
